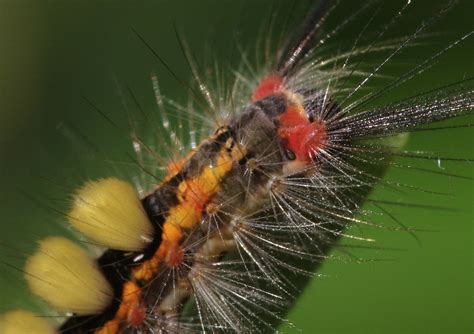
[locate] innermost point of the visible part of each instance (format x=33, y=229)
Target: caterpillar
x=219, y=241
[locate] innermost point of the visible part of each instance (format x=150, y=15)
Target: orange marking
x=131, y=301
x=212, y=208
x=175, y=257
x=136, y=314
x=193, y=195
x=175, y=167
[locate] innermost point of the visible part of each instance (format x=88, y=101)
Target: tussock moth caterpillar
x=282, y=175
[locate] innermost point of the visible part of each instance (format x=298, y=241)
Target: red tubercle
x=175, y=257
x=302, y=137
x=293, y=117
x=268, y=86
x=136, y=315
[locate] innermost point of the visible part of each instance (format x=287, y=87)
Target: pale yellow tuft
x=64, y=275
x=21, y=322
x=109, y=212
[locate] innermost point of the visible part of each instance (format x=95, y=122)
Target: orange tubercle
x=175, y=257
x=136, y=314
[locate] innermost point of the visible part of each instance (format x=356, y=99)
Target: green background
x=55, y=52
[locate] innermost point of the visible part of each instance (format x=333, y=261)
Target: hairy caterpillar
x=430, y=63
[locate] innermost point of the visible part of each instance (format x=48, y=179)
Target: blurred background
x=55, y=56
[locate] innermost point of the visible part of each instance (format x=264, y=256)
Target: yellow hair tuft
x=21, y=322
x=109, y=212
x=64, y=275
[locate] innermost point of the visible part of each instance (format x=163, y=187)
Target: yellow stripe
x=193, y=195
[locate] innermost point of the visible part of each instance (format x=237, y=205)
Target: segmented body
x=196, y=208
x=281, y=178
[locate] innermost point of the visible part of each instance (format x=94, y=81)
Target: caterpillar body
x=222, y=241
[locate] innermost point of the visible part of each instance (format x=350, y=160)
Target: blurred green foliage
x=56, y=52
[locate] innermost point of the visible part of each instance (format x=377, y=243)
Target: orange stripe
x=193, y=195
